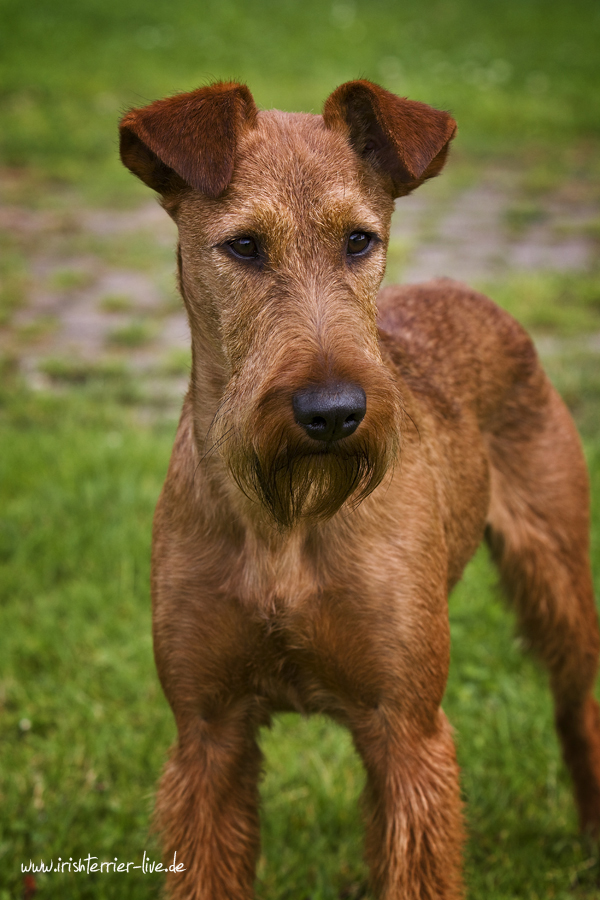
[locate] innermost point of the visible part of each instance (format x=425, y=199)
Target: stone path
x=471, y=237
x=97, y=286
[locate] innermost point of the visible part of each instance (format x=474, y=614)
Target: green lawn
x=84, y=727
x=515, y=73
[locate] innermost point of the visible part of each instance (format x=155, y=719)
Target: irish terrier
x=340, y=455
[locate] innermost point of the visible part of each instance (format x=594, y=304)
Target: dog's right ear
x=189, y=139
x=402, y=139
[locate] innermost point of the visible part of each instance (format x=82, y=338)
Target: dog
x=341, y=454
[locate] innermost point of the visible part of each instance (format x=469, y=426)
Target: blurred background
x=93, y=364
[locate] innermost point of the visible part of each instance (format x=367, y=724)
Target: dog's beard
x=314, y=486
x=295, y=478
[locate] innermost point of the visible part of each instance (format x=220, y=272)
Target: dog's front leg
x=390, y=662
x=414, y=823
x=207, y=802
x=384, y=654
x=207, y=808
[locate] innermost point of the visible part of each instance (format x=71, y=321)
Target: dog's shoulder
x=447, y=315
x=446, y=339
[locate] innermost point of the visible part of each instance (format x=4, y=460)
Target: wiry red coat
x=293, y=573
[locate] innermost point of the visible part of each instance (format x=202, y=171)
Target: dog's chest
x=272, y=576
x=331, y=618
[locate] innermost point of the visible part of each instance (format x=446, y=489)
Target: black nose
x=330, y=412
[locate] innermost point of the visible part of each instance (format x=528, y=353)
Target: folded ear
x=403, y=139
x=189, y=139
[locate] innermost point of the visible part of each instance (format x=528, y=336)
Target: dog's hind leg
x=538, y=534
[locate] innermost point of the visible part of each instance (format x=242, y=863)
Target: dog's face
x=283, y=232
x=280, y=273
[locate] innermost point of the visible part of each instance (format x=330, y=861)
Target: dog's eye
x=358, y=243
x=244, y=247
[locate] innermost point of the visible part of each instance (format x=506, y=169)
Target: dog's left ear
x=403, y=139
x=189, y=139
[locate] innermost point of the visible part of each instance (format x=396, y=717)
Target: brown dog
x=275, y=587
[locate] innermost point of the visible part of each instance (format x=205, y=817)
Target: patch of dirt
x=84, y=299
x=470, y=237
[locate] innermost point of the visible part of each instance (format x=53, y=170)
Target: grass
x=86, y=729
x=576, y=373
x=36, y=329
x=522, y=215
x=80, y=371
x=108, y=380
x=177, y=362
x=116, y=303
x=81, y=671
x=139, y=250
x=70, y=280
x=513, y=73
x=136, y=333
x=13, y=277
x=565, y=304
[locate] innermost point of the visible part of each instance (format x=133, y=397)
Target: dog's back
x=453, y=345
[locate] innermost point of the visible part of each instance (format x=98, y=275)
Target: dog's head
x=284, y=222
